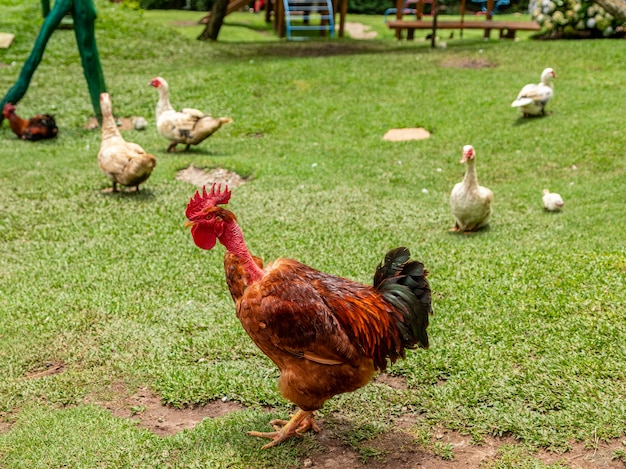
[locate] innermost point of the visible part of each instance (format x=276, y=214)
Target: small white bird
x=140, y=123
x=532, y=99
x=552, y=202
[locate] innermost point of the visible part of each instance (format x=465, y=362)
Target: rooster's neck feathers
x=232, y=239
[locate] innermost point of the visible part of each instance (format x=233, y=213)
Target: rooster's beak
x=189, y=224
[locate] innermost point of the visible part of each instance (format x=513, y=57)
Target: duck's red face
x=468, y=153
x=155, y=82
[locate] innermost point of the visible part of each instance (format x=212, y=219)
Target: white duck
x=470, y=203
x=188, y=126
x=552, y=202
x=532, y=99
x=123, y=162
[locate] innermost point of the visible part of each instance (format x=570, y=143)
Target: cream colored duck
x=552, y=202
x=532, y=99
x=470, y=203
x=188, y=126
x=123, y=162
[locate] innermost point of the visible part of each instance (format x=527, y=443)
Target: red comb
x=201, y=201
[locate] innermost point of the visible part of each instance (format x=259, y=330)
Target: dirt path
x=391, y=450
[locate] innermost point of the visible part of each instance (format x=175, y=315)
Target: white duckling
x=552, y=202
x=532, y=99
x=470, y=202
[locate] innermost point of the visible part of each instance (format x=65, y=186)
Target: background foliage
x=575, y=19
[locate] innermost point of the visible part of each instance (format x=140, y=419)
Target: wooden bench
x=507, y=28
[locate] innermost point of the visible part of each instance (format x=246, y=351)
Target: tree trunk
x=212, y=28
x=615, y=7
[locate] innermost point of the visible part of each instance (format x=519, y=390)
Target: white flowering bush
x=574, y=18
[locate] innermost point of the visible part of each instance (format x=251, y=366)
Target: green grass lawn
x=527, y=340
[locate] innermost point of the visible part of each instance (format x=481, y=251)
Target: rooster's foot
x=307, y=424
x=301, y=422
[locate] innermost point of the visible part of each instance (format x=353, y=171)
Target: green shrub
x=369, y=7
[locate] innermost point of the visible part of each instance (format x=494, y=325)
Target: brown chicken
x=123, y=162
x=328, y=335
x=37, y=127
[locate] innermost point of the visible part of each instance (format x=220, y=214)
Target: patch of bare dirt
x=49, y=369
x=5, y=426
x=200, y=177
x=359, y=30
x=582, y=457
x=467, y=62
x=399, y=449
x=395, y=382
x=394, y=449
x=400, y=135
x=146, y=408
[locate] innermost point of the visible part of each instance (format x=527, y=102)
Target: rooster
x=36, y=128
x=188, y=126
x=328, y=335
x=123, y=162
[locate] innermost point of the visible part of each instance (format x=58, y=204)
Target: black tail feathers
x=403, y=284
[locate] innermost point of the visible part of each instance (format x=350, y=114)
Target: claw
x=297, y=425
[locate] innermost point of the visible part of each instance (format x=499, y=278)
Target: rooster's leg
x=299, y=423
x=172, y=147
